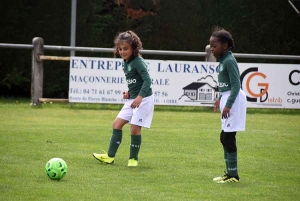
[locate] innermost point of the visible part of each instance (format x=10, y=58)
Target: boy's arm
x=235, y=83
x=143, y=71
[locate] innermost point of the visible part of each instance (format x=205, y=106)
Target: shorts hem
x=233, y=130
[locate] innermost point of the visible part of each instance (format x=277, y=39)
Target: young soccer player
x=138, y=109
x=232, y=101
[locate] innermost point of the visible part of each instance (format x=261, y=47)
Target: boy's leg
x=142, y=117
x=116, y=137
x=229, y=142
x=225, y=150
x=136, y=140
x=114, y=144
x=219, y=178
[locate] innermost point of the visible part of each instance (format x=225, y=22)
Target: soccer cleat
x=104, y=158
x=220, y=178
x=229, y=179
x=132, y=162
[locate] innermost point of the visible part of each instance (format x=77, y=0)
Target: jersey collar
x=222, y=58
x=131, y=58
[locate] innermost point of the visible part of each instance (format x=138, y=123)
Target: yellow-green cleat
x=220, y=178
x=132, y=162
x=229, y=179
x=104, y=158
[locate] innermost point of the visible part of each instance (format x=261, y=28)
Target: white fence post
x=209, y=56
x=37, y=71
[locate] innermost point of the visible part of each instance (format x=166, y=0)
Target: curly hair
x=224, y=37
x=132, y=39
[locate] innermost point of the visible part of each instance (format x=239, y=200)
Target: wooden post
x=209, y=56
x=37, y=71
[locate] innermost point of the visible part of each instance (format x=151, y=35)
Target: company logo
x=294, y=96
x=126, y=69
x=257, y=88
x=262, y=87
x=134, y=145
x=222, y=84
x=205, y=91
x=221, y=68
x=131, y=81
x=292, y=77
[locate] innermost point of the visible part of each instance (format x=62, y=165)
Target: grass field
x=179, y=156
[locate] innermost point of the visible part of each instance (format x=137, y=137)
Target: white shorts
x=237, y=115
x=141, y=116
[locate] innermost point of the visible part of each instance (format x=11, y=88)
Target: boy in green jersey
x=232, y=102
x=138, y=109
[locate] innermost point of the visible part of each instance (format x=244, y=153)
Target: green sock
x=232, y=164
x=136, y=141
x=225, y=157
x=115, y=142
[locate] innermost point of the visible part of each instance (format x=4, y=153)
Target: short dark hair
x=131, y=38
x=224, y=37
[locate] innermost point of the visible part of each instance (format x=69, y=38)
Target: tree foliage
x=260, y=27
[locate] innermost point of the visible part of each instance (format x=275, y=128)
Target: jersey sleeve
x=141, y=68
x=234, y=77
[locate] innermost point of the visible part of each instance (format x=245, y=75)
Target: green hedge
x=263, y=27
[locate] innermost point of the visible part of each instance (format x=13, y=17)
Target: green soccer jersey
x=137, y=77
x=229, y=77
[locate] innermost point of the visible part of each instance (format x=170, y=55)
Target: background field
x=179, y=156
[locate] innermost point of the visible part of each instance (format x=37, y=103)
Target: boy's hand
x=225, y=113
x=126, y=95
x=136, y=102
x=217, y=106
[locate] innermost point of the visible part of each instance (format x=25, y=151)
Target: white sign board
x=184, y=83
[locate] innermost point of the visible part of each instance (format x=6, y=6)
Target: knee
x=117, y=124
x=230, y=145
x=135, y=130
x=229, y=142
x=221, y=137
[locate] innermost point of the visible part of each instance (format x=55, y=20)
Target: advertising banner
x=184, y=83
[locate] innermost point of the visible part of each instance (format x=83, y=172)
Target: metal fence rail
x=38, y=56
x=16, y=46
x=152, y=52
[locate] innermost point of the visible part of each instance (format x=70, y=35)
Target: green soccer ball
x=56, y=168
